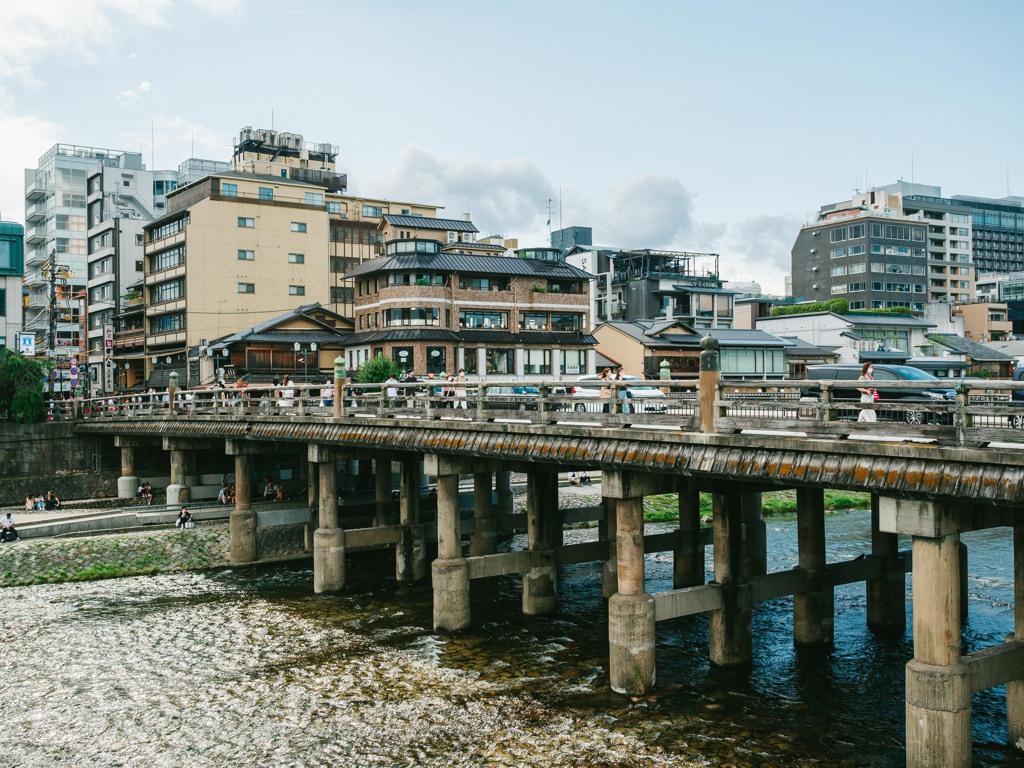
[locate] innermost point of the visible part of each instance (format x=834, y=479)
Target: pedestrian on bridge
x=868, y=395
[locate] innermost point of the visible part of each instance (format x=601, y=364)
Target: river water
x=249, y=668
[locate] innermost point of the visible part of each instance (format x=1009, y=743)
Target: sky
x=718, y=126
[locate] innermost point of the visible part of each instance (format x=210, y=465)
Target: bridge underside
x=970, y=476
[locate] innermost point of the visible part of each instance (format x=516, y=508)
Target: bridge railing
x=959, y=412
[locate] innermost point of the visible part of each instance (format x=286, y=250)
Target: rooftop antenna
x=560, y=208
x=550, y=201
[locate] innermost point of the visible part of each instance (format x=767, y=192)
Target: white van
x=644, y=398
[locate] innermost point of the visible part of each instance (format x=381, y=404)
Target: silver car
x=645, y=399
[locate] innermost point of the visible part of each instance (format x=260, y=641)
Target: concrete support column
x=631, y=609
x=481, y=361
x=242, y=521
x=382, y=491
x=128, y=482
x=755, y=537
x=364, y=480
x=813, y=612
x=503, y=487
x=484, y=540
x=731, y=625
x=328, y=539
x=606, y=531
x=1015, y=688
x=688, y=561
x=450, y=570
x=543, y=531
x=178, y=491
x=938, y=683
x=411, y=551
x=312, y=502
x=886, y=595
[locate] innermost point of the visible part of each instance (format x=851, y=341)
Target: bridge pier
x=886, y=594
x=411, y=551
x=813, y=611
x=606, y=531
x=242, y=522
x=328, y=539
x=503, y=488
x=688, y=560
x=128, y=482
x=178, y=492
x=544, y=533
x=939, y=685
x=1015, y=688
x=313, y=502
x=631, y=609
x=484, y=539
x=731, y=633
x=382, y=491
x=450, y=570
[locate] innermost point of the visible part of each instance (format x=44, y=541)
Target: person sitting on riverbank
x=40, y=503
x=184, y=519
x=8, y=531
x=30, y=503
x=52, y=502
x=222, y=494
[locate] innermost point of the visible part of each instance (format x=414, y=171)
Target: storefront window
x=501, y=361
x=437, y=360
x=403, y=357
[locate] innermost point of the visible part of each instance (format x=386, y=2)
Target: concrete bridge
x=934, y=470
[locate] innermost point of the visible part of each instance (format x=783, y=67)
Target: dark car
x=514, y=397
x=886, y=380
x=1017, y=399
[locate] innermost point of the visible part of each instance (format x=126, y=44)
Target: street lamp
x=311, y=350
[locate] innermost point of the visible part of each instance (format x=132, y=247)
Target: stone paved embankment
x=39, y=561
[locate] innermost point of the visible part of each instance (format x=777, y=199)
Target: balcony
x=35, y=212
x=35, y=191
x=126, y=340
x=35, y=235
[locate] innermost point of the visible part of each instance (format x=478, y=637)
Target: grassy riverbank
x=666, y=506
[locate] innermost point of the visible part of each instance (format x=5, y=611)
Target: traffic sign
x=74, y=361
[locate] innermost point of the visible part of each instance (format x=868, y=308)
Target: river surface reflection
x=239, y=668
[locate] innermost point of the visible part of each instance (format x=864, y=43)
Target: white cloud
x=20, y=131
x=646, y=211
x=134, y=95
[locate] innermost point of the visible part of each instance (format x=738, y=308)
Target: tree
x=378, y=369
x=21, y=388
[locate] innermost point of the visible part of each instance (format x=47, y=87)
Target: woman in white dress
x=867, y=394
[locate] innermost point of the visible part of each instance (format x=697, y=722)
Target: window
x=837, y=253
x=228, y=190
x=168, y=323
x=403, y=357
x=373, y=211
x=482, y=284
x=437, y=358
x=532, y=321
x=837, y=235
x=334, y=207
x=856, y=287
x=856, y=269
x=483, y=319
x=566, y=322
x=412, y=316
x=169, y=291
x=247, y=288
x=501, y=361
x=856, y=230
x=246, y=255
x=839, y=288
x=838, y=271
x=296, y=258
x=298, y=226
x=246, y=223
x=857, y=250
x=342, y=295
x=296, y=290
x=536, y=361
x=574, y=361
x=266, y=193
x=168, y=259
x=314, y=198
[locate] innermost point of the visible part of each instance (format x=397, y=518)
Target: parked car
x=1017, y=399
x=886, y=382
x=645, y=399
x=515, y=397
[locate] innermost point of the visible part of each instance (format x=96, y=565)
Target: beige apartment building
x=237, y=248
x=434, y=311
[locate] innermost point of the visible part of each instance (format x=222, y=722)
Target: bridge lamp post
x=306, y=352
